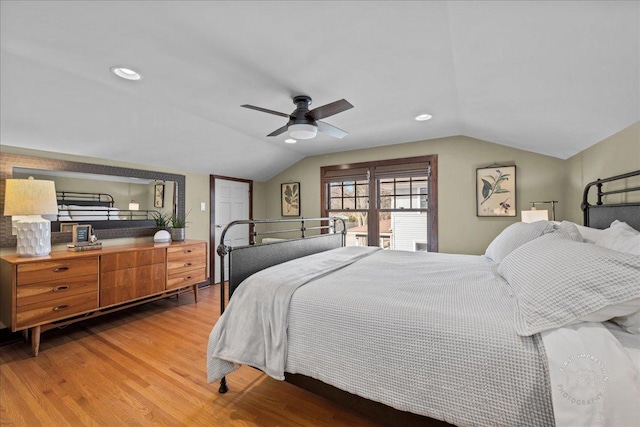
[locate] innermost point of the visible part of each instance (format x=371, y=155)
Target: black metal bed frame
x=601, y=215
x=244, y=262
x=86, y=200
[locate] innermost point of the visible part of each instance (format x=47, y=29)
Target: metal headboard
x=601, y=215
x=84, y=199
x=248, y=259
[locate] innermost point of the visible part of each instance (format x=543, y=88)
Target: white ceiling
x=549, y=77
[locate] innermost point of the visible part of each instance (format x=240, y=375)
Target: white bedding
x=92, y=213
x=437, y=340
x=594, y=375
x=434, y=334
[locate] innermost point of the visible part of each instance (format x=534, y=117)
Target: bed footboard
x=243, y=261
x=249, y=259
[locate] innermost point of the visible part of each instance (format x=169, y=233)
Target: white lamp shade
x=302, y=131
x=133, y=206
x=535, y=215
x=30, y=197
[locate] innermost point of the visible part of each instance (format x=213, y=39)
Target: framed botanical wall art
x=496, y=191
x=290, y=198
x=158, y=196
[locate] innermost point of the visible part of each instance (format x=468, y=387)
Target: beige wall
x=618, y=154
x=460, y=230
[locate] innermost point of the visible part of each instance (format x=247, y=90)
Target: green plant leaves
x=486, y=188
x=494, y=187
x=291, y=197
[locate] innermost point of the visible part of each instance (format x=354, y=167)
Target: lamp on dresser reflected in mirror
x=535, y=214
x=133, y=206
x=25, y=200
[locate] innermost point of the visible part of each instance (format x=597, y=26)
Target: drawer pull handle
x=59, y=269
x=187, y=251
x=187, y=264
x=60, y=307
x=60, y=288
x=187, y=278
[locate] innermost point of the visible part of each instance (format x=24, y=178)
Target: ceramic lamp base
x=34, y=236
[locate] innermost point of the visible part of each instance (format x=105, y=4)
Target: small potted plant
x=178, y=225
x=162, y=220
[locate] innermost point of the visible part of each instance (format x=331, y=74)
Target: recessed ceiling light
x=126, y=73
x=290, y=141
x=423, y=117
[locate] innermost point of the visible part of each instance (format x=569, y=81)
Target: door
x=232, y=203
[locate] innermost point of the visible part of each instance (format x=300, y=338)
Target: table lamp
x=535, y=214
x=31, y=198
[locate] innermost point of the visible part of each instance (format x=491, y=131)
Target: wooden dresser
x=40, y=293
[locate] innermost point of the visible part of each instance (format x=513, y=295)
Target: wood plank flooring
x=146, y=366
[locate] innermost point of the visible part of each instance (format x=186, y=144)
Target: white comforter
x=258, y=336
x=425, y=333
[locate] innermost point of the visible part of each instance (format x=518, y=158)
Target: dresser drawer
x=179, y=267
x=124, y=260
x=54, y=309
x=187, y=252
x=46, y=271
x=60, y=288
x=186, y=278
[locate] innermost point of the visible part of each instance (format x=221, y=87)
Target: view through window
x=400, y=194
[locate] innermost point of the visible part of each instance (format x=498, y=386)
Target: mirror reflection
x=118, y=202
x=104, y=201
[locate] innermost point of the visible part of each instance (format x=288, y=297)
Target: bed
x=501, y=339
x=95, y=208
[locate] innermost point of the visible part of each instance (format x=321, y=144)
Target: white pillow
x=620, y=237
x=514, y=236
x=570, y=229
x=589, y=235
x=623, y=309
x=557, y=281
x=630, y=323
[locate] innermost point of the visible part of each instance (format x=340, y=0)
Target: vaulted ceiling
x=548, y=77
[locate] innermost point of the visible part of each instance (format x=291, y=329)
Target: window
x=399, y=193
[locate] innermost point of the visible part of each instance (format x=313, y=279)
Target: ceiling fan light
x=302, y=131
x=423, y=117
x=126, y=73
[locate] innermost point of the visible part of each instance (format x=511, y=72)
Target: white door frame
x=213, y=245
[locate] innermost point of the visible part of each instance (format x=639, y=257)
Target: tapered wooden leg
x=195, y=292
x=35, y=340
x=25, y=335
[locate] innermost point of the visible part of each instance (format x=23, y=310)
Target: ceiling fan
x=304, y=123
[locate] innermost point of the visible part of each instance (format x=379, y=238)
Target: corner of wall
x=617, y=154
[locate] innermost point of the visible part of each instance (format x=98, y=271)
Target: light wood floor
x=146, y=366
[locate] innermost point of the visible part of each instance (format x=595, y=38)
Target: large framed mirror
x=118, y=202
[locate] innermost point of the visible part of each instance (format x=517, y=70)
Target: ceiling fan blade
x=329, y=109
x=331, y=130
x=277, y=132
x=264, y=110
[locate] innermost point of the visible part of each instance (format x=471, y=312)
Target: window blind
x=340, y=175
x=407, y=170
